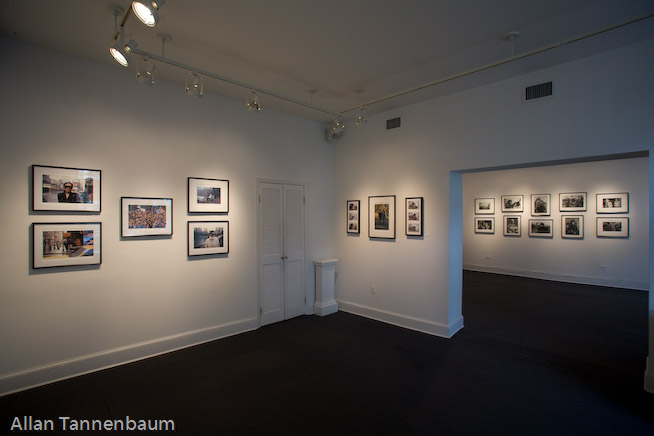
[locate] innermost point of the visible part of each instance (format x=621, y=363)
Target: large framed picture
x=512, y=203
x=353, y=218
x=381, y=217
x=65, y=189
x=512, y=225
x=208, y=237
x=612, y=227
x=67, y=244
x=484, y=224
x=572, y=201
x=146, y=216
x=484, y=206
x=613, y=203
x=540, y=204
x=413, y=210
x=541, y=228
x=572, y=226
x=208, y=195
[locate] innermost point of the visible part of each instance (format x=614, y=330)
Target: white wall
x=147, y=296
x=603, y=105
x=592, y=260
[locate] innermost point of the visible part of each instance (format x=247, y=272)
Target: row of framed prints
x=572, y=226
x=381, y=216
x=74, y=244
x=65, y=189
x=568, y=202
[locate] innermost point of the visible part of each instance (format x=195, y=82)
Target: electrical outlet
x=602, y=267
x=372, y=289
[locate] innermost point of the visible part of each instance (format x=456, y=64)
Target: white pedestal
x=325, y=274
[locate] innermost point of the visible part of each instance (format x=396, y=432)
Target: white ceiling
x=383, y=47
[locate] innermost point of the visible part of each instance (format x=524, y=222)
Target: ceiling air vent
x=393, y=123
x=539, y=91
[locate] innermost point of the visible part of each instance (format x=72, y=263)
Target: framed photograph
x=208, y=195
x=541, y=228
x=613, y=203
x=381, y=217
x=484, y=206
x=540, y=204
x=67, y=244
x=146, y=216
x=353, y=219
x=612, y=227
x=208, y=237
x=484, y=224
x=413, y=210
x=572, y=201
x=512, y=225
x=65, y=189
x=572, y=226
x=513, y=203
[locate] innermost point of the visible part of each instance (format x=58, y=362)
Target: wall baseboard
x=597, y=281
x=421, y=325
x=56, y=371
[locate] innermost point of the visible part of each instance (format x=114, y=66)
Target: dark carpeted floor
x=535, y=358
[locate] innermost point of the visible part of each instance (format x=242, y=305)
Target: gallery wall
x=147, y=296
x=620, y=262
x=602, y=106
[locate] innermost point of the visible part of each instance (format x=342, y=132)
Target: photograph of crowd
x=146, y=217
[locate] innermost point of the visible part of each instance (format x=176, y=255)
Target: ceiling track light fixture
x=145, y=70
x=333, y=133
x=120, y=51
x=252, y=102
x=147, y=11
x=361, y=116
x=193, y=84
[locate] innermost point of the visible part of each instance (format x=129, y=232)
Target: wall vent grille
x=539, y=91
x=393, y=123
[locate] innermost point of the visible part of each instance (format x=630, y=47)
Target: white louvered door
x=281, y=233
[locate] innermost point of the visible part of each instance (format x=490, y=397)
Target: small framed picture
x=512, y=225
x=67, y=244
x=613, y=203
x=484, y=224
x=572, y=201
x=540, y=204
x=353, y=218
x=541, y=228
x=208, y=195
x=146, y=216
x=208, y=237
x=413, y=210
x=572, y=226
x=512, y=203
x=484, y=206
x=612, y=227
x=65, y=189
x=381, y=217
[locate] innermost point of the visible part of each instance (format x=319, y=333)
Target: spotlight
x=148, y=11
x=193, y=84
x=334, y=133
x=361, y=118
x=145, y=71
x=121, y=51
x=252, y=102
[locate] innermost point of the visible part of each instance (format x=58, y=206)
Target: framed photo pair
x=66, y=189
x=66, y=244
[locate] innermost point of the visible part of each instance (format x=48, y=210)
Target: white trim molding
x=64, y=369
x=418, y=324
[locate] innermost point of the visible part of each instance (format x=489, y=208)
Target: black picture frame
x=413, y=213
x=66, y=244
x=201, y=242
x=49, y=192
x=353, y=217
x=381, y=217
x=208, y=195
x=146, y=216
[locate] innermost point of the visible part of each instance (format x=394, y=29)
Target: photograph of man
x=212, y=241
x=68, y=196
